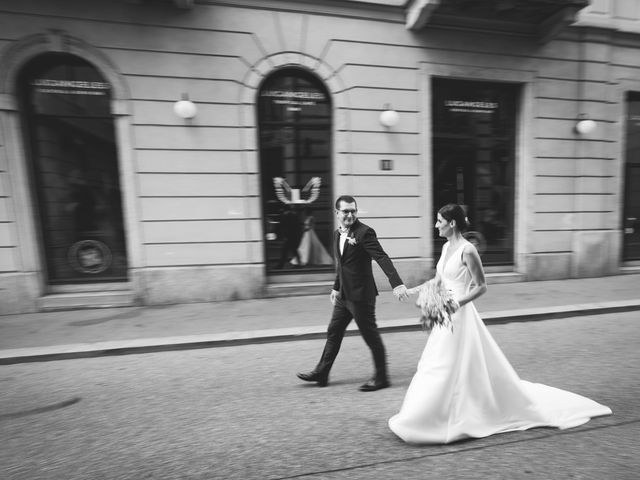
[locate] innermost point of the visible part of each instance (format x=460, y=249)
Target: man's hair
x=345, y=199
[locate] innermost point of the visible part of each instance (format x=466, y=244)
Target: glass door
x=631, y=209
x=71, y=141
x=294, y=111
x=474, y=161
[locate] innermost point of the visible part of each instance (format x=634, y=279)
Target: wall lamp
x=185, y=108
x=389, y=117
x=585, y=125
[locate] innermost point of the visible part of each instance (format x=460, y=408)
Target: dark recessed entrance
x=631, y=210
x=474, y=160
x=294, y=116
x=71, y=143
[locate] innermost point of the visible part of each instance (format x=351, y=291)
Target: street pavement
x=240, y=413
x=111, y=331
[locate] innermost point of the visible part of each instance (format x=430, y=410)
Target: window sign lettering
x=292, y=97
x=70, y=87
x=470, y=107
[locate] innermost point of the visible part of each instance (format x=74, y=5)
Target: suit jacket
x=354, y=275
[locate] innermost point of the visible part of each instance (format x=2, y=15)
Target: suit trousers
x=364, y=314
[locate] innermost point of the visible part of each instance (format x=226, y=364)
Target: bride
x=464, y=386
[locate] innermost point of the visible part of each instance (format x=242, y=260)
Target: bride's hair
x=453, y=211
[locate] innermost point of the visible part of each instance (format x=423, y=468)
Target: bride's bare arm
x=416, y=289
x=472, y=260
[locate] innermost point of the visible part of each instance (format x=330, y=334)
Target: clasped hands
x=400, y=292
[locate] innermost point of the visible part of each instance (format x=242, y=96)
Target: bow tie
x=343, y=231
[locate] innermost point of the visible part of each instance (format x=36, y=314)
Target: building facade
x=164, y=151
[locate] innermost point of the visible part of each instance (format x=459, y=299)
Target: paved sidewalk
x=113, y=331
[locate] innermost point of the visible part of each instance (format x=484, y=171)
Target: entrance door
x=631, y=209
x=474, y=161
x=294, y=112
x=71, y=142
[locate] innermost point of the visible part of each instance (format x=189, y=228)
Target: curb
x=154, y=345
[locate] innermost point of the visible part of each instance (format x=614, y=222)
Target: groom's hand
x=334, y=296
x=401, y=292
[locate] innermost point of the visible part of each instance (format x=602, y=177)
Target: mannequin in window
x=290, y=233
x=311, y=251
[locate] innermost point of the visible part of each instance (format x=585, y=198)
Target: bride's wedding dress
x=465, y=387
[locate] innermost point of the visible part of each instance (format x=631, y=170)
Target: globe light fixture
x=585, y=125
x=389, y=117
x=185, y=108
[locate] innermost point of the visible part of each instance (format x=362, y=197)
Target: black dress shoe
x=373, y=385
x=321, y=380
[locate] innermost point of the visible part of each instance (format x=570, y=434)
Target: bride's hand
x=413, y=291
x=457, y=303
x=400, y=292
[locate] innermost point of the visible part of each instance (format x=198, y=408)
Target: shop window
x=71, y=145
x=294, y=115
x=631, y=209
x=474, y=160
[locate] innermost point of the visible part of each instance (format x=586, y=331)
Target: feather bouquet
x=436, y=303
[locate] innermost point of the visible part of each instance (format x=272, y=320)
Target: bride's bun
x=453, y=211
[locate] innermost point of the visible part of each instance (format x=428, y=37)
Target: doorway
x=70, y=140
x=295, y=122
x=631, y=209
x=473, y=145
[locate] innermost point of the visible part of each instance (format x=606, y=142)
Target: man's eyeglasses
x=348, y=211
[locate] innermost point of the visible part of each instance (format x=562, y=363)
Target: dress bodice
x=454, y=273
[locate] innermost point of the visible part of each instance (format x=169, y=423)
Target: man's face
x=347, y=213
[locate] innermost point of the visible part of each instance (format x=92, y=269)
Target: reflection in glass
x=631, y=210
x=473, y=160
x=66, y=105
x=294, y=112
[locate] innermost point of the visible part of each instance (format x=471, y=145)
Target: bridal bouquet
x=436, y=303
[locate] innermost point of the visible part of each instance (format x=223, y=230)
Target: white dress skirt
x=310, y=250
x=465, y=387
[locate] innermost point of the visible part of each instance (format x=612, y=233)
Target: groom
x=354, y=294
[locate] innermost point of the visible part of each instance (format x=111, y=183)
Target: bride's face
x=444, y=227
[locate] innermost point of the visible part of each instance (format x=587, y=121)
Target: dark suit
x=357, y=298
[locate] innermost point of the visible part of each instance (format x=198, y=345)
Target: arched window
x=71, y=144
x=294, y=115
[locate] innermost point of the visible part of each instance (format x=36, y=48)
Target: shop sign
x=295, y=99
x=471, y=106
x=70, y=87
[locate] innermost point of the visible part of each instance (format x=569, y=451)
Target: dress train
x=465, y=387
